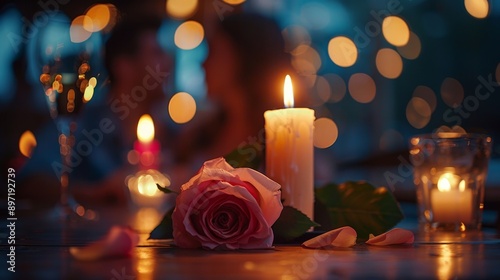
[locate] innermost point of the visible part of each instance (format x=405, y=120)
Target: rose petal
x=392, y=237
x=269, y=190
x=341, y=237
x=118, y=242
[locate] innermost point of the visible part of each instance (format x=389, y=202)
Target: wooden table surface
x=42, y=252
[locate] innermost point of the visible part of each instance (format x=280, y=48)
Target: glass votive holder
x=449, y=172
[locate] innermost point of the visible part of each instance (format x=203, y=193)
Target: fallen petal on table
x=393, y=237
x=118, y=242
x=342, y=237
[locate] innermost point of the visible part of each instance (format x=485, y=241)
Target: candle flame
x=447, y=181
x=145, y=129
x=288, y=92
x=147, y=185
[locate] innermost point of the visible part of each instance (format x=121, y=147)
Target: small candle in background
x=450, y=170
x=146, y=147
x=451, y=201
x=289, y=152
x=143, y=189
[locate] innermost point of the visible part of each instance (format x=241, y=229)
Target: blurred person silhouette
x=138, y=68
x=244, y=72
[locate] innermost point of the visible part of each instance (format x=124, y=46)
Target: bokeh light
x=294, y=36
x=189, y=35
x=182, y=107
x=234, y=2
x=342, y=51
x=78, y=30
x=395, y=31
x=427, y=94
x=452, y=92
x=27, y=143
x=418, y=112
x=477, y=8
x=321, y=92
x=97, y=18
x=362, y=88
x=181, y=9
x=93, y=82
x=88, y=93
x=325, y=133
x=338, y=87
x=412, y=49
x=389, y=63
x=306, y=60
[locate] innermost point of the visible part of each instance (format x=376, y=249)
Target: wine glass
x=68, y=85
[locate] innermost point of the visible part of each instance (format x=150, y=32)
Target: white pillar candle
x=290, y=152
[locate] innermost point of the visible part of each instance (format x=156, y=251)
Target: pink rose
x=226, y=207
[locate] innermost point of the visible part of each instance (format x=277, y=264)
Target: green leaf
x=164, y=189
x=165, y=229
x=367, y=209
x=291, y=224
x=249, y=155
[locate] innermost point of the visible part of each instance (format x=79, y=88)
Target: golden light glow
x=234, y=2
x=78, y=29
x=445, y=263
x=427, y=94
x=143, y=184
x=93, y=82
x=395, y=31
x=389, y=63
x=362, y=88
x=461, y=186
x=182, y=107
x=325, y=133
x=146, y=219
x=70, y=106
x=27, y=143
x=83, y=84
x=146, y=185
x=89, y=92
x=412, y=49
x=55, y=85
x=444, y=183
x=477, y=8
x=97, y=18
x=181, y=9
x=342, y=51
x=189, y=35
x=449, y=181
x=145, y=129
x=288, y=92
x=418, y=112
x=303, y=57
x=452, y=92
x=304, y=67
